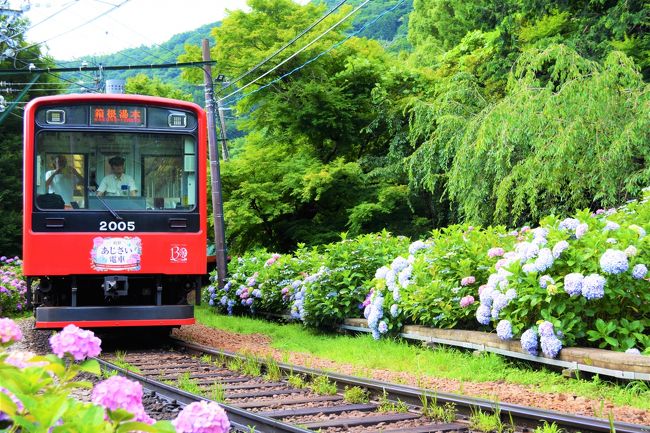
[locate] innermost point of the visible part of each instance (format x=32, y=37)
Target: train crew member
x=62, y=179
x=117, y=183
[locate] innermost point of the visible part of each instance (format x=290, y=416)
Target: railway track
x=265, y=396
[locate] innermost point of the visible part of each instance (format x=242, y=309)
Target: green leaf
x=91, y=366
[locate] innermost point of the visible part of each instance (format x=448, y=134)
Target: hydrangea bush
x=581, y=280
x=12, y=286
x=34, y=396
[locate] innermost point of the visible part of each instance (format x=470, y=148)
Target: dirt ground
x=511, y=393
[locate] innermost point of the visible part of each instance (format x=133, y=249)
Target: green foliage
x=321, y=385
x=355, y=395
x=143, y=85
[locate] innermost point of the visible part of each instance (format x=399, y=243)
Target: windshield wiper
x=107, y=206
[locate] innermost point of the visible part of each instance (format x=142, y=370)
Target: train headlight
x=177, y=120
x=55, y=117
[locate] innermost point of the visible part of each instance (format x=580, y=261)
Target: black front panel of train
x=70, y=221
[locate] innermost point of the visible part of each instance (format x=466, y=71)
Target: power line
x=313, y=41
x=106, y=68
x=285, y=46
x=361, y=29
x=77, y=27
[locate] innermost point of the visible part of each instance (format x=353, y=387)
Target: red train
x=114, y=225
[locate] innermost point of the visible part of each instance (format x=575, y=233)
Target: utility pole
x=215, y=174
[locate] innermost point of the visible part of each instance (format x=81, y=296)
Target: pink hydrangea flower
x=466, y=301
x=118, y=392
x=495, y=252
x=9, y=331
x=202, y=417
x=77, y=342
x=467, y=281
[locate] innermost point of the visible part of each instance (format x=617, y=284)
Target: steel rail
x=240, y=419
x=528, y=416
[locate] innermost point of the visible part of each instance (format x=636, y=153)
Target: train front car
x=114, y=225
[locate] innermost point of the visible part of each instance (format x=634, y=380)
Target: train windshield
x=119, y=170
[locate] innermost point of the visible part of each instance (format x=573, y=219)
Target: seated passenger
x=117, y=183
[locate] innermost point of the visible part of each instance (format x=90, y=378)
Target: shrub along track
x=275, y=405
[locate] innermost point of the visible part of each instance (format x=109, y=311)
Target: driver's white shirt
x=111, y=185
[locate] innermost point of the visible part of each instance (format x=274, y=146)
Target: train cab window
x=156, y=172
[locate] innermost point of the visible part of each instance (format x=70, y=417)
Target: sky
x=121, y=23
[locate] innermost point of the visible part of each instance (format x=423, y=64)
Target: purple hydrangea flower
x=499, y=303
x=9, y=331
x=639, y=271
x=573, y=283
x=551, y=346
x=614, y=262
x=529, y=341
x=593, y=286
x=382, y=327
x=118, y=392
x=202, y=417
x=17, y=402
x=504, y=330
x=559, y=248
x=581, y=229
x=545, y=329
x=77, y=342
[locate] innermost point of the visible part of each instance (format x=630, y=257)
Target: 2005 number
x=116, y=226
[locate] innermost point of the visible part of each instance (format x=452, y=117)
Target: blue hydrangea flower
x=551, y=346
x=380, y=274
x=544, y=260
x=529, y=268
x=640, y=230
x=559, y=248
x=545, y=280
x=499, y=303
x=614, y=262
x=573, y=283
x=504, y=330
x=398, y=264
x=511, y=294
x=257, y=293
x=633, y=351
x=639, y=271
x=394, y=310
x=382, y=327
x=568, y=224
x=529, y=341
x=483, y=315
x=593, y=286
x=224, y=300
x=416, y=246
x=610, y=226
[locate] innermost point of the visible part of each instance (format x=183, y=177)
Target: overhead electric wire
x=319, y=55
x=313, y=41
x=285, y=46
x=77, y=27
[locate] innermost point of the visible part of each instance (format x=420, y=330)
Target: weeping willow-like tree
x=569, y=134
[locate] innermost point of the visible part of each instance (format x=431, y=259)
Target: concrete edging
x=604, y=362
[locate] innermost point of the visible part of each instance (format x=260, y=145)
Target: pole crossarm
x=106, y=68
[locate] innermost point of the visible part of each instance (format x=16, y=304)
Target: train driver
x=117, y=183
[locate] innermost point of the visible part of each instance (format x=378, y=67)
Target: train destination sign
x=117, y=115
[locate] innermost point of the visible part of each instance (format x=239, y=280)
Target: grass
x=366, y=354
